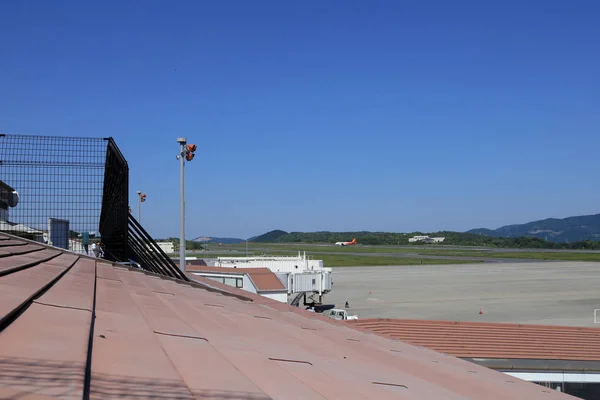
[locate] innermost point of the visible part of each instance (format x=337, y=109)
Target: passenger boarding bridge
x=299, y=274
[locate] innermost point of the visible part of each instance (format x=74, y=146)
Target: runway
x=554, y=293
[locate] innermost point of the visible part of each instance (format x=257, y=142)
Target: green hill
x=566, y=230
x=269, y=237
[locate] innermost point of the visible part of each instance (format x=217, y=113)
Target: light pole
x=186, y=152
x=141, y=199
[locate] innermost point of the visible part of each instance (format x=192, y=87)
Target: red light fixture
x=189, y=151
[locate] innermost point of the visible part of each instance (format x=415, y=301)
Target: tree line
x=451, y=238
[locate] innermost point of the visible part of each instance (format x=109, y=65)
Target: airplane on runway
x=353, y=242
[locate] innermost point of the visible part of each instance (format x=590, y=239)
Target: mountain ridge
x=558, y=230
x=547, y=233
x=579, y=232
x=224, y=240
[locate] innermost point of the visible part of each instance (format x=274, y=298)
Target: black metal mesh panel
x=59, y=183
x=115, y=204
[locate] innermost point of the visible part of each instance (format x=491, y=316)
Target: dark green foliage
x=269, y=237
x=452, y=239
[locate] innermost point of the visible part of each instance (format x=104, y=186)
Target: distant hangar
x=426, y=239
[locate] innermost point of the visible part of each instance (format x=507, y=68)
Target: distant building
x=298, y=274
x=426, y=239
x=167, y=247
x=255, y=280
x=417, y=238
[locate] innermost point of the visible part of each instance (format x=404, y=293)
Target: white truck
x=340, y=315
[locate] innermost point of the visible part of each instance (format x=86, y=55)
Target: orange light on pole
x=186, y=153
x=141, y=199
x=189, y=152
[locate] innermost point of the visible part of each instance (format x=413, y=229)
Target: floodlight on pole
x=141, y=199
x=186, y=152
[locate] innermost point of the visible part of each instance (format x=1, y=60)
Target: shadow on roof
x=62, y=379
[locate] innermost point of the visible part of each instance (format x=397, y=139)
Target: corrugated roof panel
x=75, y=289
x=132, y=280
x=212, y=378
x=157, y=284
x=11, y=242
x=44, y=351
x=14, y=263
x=106, y=271
x=127, y=358
x=266, y=374
x=19, y=287
x=65, y=259
x=161, y=318
x=42, y=255
x=321, y=382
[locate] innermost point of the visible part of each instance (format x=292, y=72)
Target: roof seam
x=109, y=279
x=30, y=264
x=87, y=380
x=181, y=336
x=160, y=292
x=20, y=254
x=3, y=245
x=60, y=306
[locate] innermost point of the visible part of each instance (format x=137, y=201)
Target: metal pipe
x=182, y=243
x=139, y=206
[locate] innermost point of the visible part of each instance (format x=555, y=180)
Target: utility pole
x=186, y=153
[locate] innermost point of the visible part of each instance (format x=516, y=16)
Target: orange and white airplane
x=353, y=242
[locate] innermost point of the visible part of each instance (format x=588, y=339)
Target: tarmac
x=547, y=293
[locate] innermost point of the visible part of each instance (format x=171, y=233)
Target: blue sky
x=321, y=115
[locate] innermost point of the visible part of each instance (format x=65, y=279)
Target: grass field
x=334, y=256
x=309, y=248
x=346, y=260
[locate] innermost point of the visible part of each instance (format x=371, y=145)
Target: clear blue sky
x=321, y=115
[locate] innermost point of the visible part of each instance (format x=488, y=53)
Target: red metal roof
x=492, y=340
x=73, y=326
x=263, y=278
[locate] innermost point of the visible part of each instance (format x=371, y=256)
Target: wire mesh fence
x=52, y=188
x=72, y=193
